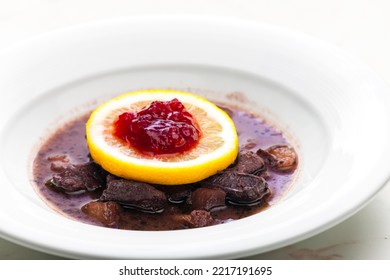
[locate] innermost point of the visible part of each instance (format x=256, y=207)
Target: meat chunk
x=178, y=194
x=240, y=188
x=110, y=177
x=74, y=178
x=107, y=213
x=138, y=195
x=207, y=198
x=196, y=219
x=249, y=162
x=280, y=158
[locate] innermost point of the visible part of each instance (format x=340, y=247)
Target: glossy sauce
x=69, y=141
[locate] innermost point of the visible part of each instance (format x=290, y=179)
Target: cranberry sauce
x=168, y=207
x=162, y=128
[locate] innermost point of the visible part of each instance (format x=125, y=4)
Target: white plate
x=333, y=106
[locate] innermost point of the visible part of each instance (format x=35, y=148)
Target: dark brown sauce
x=254, y=133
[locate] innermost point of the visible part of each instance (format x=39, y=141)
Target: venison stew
x=70, y=181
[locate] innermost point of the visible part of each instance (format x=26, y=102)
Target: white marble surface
x=361, y=27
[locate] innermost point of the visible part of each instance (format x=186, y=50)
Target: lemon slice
x=216, y=150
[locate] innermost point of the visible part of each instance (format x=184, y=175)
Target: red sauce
x=162, y=128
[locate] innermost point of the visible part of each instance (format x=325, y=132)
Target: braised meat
x=73, y=178
x=249, y=162
x=197, y=218
x=240, y=188
x=279, y=158
x=135, y=194
x=178, y=194
x=108, y=213
x=207, y=199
